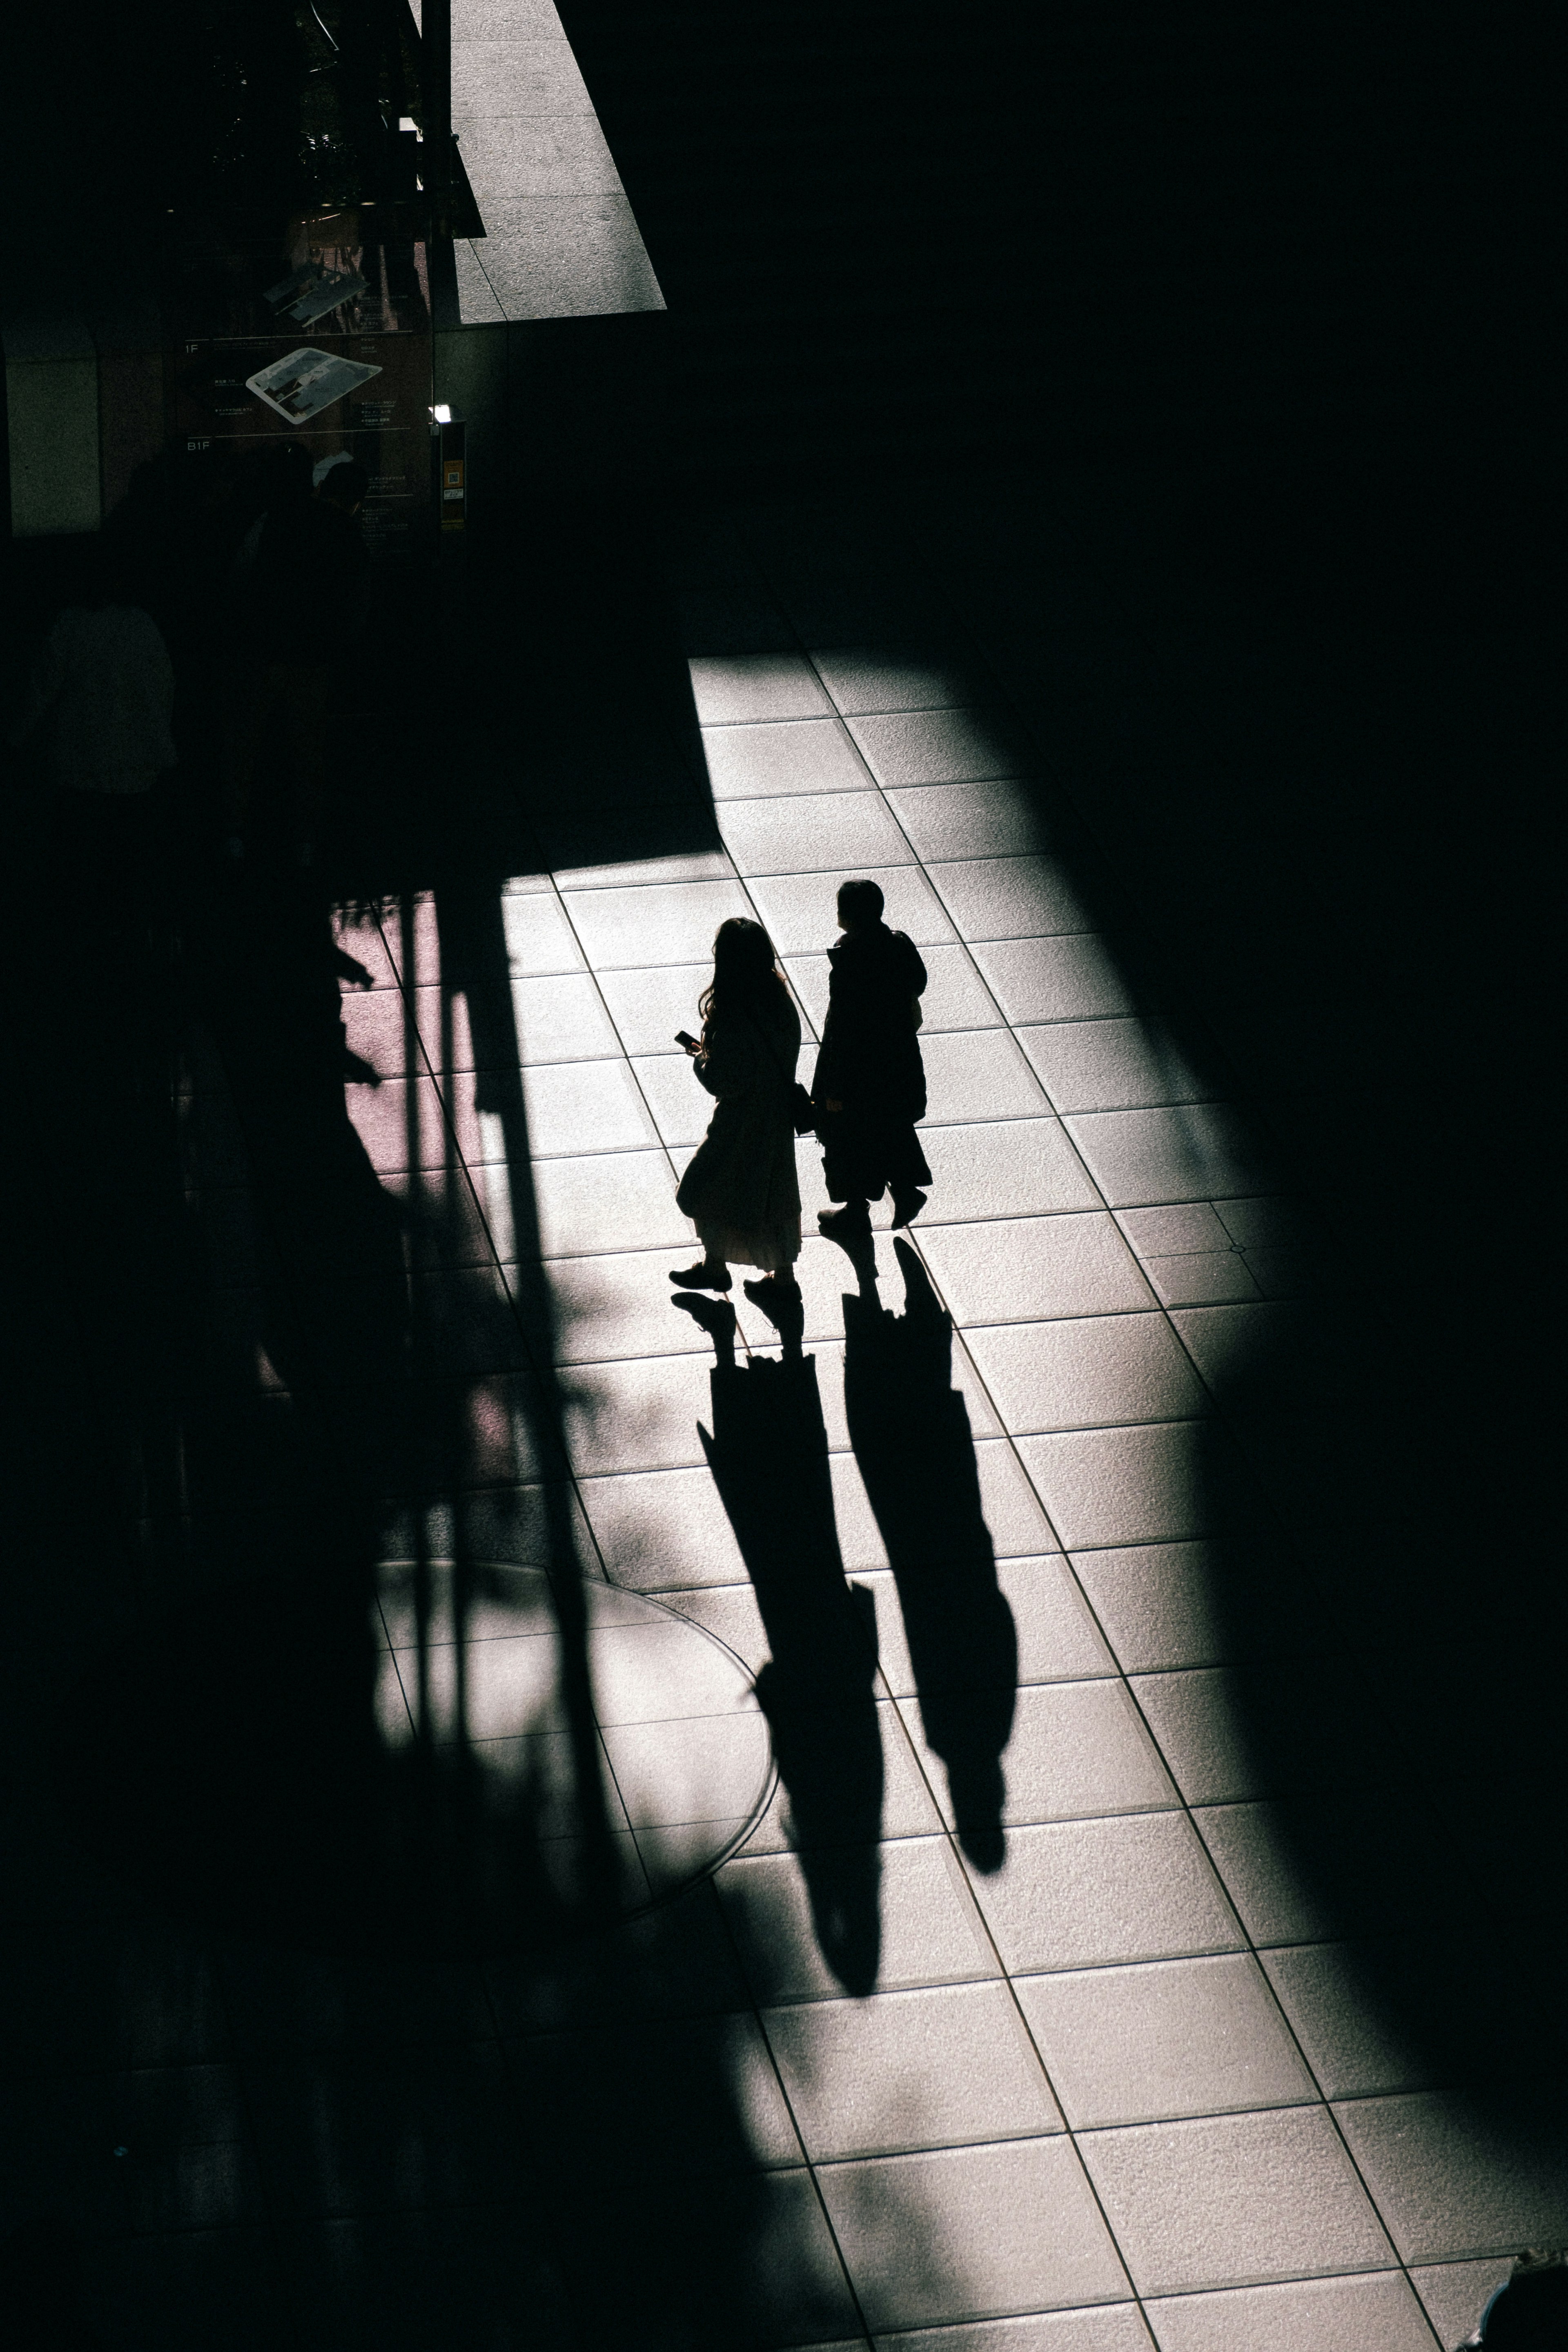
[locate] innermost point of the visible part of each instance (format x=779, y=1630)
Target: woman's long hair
x=745, y=976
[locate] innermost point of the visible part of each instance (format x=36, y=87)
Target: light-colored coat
x=740, y=1190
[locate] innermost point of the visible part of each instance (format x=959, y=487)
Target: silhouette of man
x=869, y=1084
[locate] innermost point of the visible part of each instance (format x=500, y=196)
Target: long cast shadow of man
x=769, y=1454
x=910, y=1431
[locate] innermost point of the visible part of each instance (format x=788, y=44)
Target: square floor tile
x=805, y=755
x=825, y=1277
x=1113, y=1064
x=679, y=1105
x=729, y=1612
x=574, y=1106
x=1273, y=1222
x=1455, y=2294
x=1026, y=1269
x=1184, y=1154
x=977, y=1074
x=965, y=821
x=1087, y=1894
x=1069, y=979
x=909, y=2070
x=561, y=1019
x=1178, y=1226
x=1278, y=1355
x=799, y=909
x=731, y=688
x=1139, y=1485
x=634, y=1415
x=1173, y=2038
x=1087, y=1371
x=1018, y=898
x=970, y=2231
x=828, y=1358
x=649, y=1006
x=796, y=836
x=1235, y=2200
x=908, y=1809
x=863, y=678
x=1353, y=2046
x=1077, y=1751
x=1255, y=1854
x=610, y=1200
x=1056, y=1637
x=710, y=1767
x=1014, y=1520
x=1375, y=2314
x=618, y=1306
x=365, y=943
x=375, y=1028
x=410, y=932
x=667, y=1673
x=940, y=747
x=928, y=1930
x=1199, y=1716
x=661, y=1530
x=668, y=922
x=409, y=1123
x=540, y=939
x=1202, y=1278
x=1003, y=1168
x=1166, y=1605
x=1450, y=2184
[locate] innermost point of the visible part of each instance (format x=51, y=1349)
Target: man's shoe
x=845, y=1224
x=906, y=1207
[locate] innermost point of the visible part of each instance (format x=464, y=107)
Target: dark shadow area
x=768, y=1453
x=1244, y=308
x=910, y=1431
x=250, y=1368
x=1294, y=702
x=905, y=237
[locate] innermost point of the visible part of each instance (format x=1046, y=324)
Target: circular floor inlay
x=620, y=1740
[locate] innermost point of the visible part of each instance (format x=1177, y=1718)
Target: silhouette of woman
x=740, y=1191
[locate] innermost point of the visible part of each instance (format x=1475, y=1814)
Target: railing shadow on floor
x=224, y=1769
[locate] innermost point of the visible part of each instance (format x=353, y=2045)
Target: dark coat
x=870, y=1057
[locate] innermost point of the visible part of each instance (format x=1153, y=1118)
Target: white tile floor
x=1120, y=2090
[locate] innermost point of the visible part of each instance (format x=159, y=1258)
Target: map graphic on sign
x=301, y=386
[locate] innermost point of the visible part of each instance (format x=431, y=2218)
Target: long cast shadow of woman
x=769, y=1454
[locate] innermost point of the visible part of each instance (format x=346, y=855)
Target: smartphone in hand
x=690, y=1042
